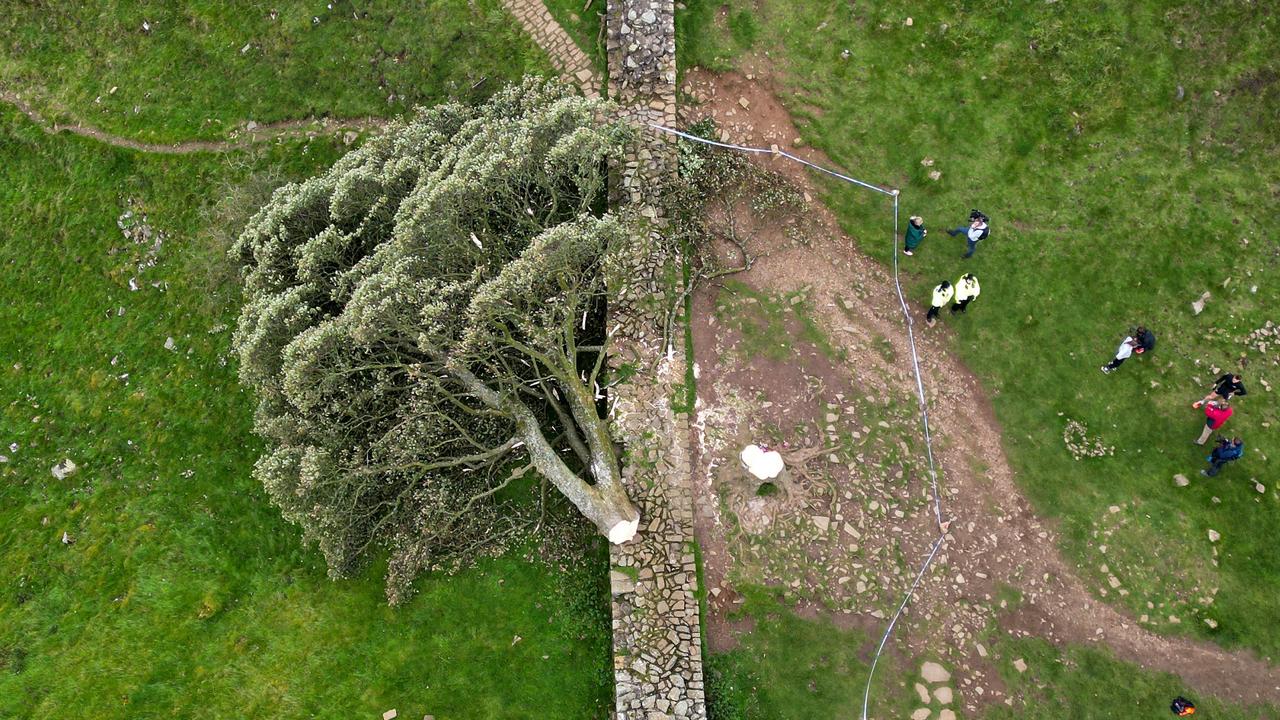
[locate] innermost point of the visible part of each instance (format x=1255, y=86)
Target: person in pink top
x=1216, y=413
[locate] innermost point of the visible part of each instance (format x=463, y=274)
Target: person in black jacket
x=1223, y=388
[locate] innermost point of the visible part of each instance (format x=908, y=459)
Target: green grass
x=184, y=593
x=1083, y=683
x=792, y=668
x=204, y=68
x=1113, y=203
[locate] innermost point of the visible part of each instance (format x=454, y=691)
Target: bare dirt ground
x=849, y=529
x=244, y=137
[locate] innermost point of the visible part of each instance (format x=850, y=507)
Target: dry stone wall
x=657, y=640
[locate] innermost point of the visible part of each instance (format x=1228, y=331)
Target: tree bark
x=606, y=503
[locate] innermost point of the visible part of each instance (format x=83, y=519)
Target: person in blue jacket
x=1226, y=451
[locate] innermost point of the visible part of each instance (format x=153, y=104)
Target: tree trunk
x=606, y=503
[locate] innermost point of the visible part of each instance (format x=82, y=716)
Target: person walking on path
x=942, y=294
x=915, y=234
x=1139, y=342
x=1226, y=451
x=1223, y=388
x=966, y=290
x=1216, y=414
x=977, y=230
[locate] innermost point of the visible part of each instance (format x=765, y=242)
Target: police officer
x=966, y=290
x=942, y=293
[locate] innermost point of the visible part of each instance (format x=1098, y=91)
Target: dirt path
x=246, y=138
x=995, y=537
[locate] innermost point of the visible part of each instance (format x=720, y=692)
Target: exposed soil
x=994, y=538
x=244, y=137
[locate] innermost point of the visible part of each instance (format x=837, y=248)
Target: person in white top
x=977, y=230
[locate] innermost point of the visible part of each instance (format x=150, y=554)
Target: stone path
x=657, y=638
x=252, y=133
x=573, y=64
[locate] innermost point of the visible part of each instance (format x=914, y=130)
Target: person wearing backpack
x=966, y=290
x=1226, y=451
x=977, y=230
x=942, y=294
x=1216, y=414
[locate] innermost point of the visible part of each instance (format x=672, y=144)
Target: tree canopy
x=423, y=324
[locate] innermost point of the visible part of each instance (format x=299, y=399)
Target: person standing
x=1223, y=388
x=1216, y=414
x=977, y=230
x=915, y=234
x=942, y=294
x=966, y=290
x=1226, y=451
x=1127, y=346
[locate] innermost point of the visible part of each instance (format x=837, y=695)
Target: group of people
x=966, y=289
x=1216, y=405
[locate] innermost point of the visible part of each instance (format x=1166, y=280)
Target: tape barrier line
x=915, y=365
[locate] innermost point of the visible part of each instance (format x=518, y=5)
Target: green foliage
x=183, y=593
x=461, y=245
x=201, y=69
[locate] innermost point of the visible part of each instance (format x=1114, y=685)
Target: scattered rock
x=982, y=649
x=169, y=344
x=1020, y=665
x=1197, y=306
x=934, y=673
x=910, y=22
x=67, y=539
x=923, y=692
x=1256, y=486
x=1214, y=536
x=390, y=714
x=1181, y=480
x=251, y=126
x=822, y=522
x=64, y=469
x=745, y=103
x=1213, y=624
x=935, y=174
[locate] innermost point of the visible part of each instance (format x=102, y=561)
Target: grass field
x=1127, y=157
x=182, y=593
x=180, y=71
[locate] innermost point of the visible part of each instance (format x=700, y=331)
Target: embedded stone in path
x=947, y=714
x=934, y=673
x=920, y=714
x=923, y=692
x=943, y=694
x=1020, y=665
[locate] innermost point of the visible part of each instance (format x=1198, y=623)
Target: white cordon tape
x=915, y=364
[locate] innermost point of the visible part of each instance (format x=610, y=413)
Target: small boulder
x=64, y=469
x=934, y=673
x=1214, y=536
x=1020, y=665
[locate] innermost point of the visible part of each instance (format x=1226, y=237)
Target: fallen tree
x=423, y=324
